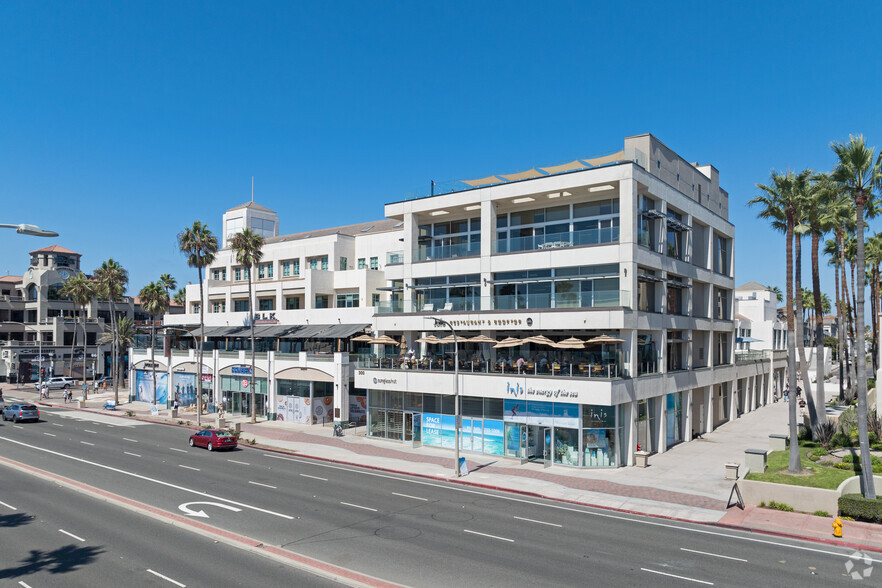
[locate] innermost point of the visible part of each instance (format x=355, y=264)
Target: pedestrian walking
x=44, y=391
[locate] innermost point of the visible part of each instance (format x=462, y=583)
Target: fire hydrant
x=837, y=527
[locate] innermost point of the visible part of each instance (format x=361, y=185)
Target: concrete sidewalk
x=687, y=482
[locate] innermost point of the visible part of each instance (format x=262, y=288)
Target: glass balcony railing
x=577, y=300
x=446, y=251
x=395, y=258
x=570, y=365
x=557, y=240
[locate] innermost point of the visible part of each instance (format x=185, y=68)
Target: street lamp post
x=39, y=344
x=456, y=423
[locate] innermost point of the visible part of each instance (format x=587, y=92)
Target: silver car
x=21, y=412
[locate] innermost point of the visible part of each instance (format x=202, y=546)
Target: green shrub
x=840, y=440
x=821, y=513
x=871, y=383
x=876, y=447
x=843, y=466
x=848, y=458
x=780, y=506
x=825, y=432
x=847, y=421
x=859, y=508
x=873, y=438
x=803, y=433
x=810, y=444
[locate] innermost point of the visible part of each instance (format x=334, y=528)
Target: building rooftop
x=11, y=279
x=55, y=249
x=752, y=286
x=253, y=206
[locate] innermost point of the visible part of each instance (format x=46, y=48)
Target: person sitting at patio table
x=520, y=363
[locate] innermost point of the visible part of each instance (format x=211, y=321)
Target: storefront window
x=598, y=436
x=566, y=446
x=673, y=419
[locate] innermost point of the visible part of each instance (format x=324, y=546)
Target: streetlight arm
x=32, y=230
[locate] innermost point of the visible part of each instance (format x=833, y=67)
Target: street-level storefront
x=304, y=396
x=564, y=433
x=151, y=377
x=184, y=384
x=235, y=381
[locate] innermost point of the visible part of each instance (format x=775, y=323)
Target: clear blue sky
x=123, y=122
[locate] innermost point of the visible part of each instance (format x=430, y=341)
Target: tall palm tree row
x=859, y=171
x=779, y=205
x=199, y=244
x=248, y=248
x=121, y=338
x=168, y=283
x=81, y=290
x=154, y=299
x=111, y=280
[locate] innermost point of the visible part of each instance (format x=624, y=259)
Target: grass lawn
x=819, y=476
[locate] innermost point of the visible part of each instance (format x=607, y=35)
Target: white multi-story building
x=592, y=304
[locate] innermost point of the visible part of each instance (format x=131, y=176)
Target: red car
x=212, y=440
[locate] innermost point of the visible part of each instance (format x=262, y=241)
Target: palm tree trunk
x=800, y=335
x=73, y=342
x=847, y=326
x=153, y=353
x=795, y=465
x=820, y=401
x=114, y=352
x=861, y=358
x=85, y=386
x=251, y=308
x=839, y=316
x=200, y=354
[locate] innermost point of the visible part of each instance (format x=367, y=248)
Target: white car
x=57, y=383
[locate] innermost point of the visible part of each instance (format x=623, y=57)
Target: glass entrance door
x=408, y=427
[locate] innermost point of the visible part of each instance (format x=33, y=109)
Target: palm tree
x=180, y=297
x=111, y=279
x=873, y=255
x=199, y=244
x=779, y=205
x=154, y=299
x=169, y=283
x=832, y=248
x=81, y=290
x=859, y=171
x=777, y=292
x=247, y=244
x=120, y=339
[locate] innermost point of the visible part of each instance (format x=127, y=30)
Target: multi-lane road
x=389, y=527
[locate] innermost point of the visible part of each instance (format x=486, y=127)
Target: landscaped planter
x=801, y=498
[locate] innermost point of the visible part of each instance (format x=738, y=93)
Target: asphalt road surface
x=401, y=529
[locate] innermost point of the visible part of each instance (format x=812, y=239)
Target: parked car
x=212, y=440
x=100, y=382
x=57, y=383
x=18, y=412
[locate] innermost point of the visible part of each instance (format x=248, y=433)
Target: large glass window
x=598, y=436
x=673, y=418
x=292, y=303
x=448, y=292
x=321, y=301
x=240, y=305
x=347, y=300
x=585, y=223
x=266, y=304
x=566, y=446
x=570, y=287
x=448, y=239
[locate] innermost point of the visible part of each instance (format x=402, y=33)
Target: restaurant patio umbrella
x=364, y=337
x=539, y=340
x=447, y=339
x=431, y=339
x=571, y=343
x=508, y=342
x=384, y=340
x=481, y=339
x=605, y=339
x=403, y=343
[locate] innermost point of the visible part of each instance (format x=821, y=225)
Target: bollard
x=837, y=527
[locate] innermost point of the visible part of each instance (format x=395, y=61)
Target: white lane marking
x=314, y=477
x=239, y=462
x=23, y=585
x=88, y=431
x=641, y=521
x=490, y=536
x=166, y=578
x=539, y=522
x=264, y=485
x=51, y=434
x=9, y=506
x=132, y=440
x=146, y=478
x=132, y=454
x=111, y=426
x=179, y=450
x=87, y=443
x=357, y=506
x=188, y=467
x=676, y=576
x=57, y=425
x=18, y=426
x=71, y=535
x=407, y=496
x=713, y=554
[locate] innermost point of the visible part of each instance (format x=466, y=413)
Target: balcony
x=570, y=366
x=564, y=301
x=395, y=258
x=446, y=252
x=557, y=240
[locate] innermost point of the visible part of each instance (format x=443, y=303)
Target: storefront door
x=546, y=446
x=416, y=428
x=408, y=427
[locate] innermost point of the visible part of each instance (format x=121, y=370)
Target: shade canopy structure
x=363, y=338
x=430, y=339
x=747, y=340
x=604, y=339
x=509, y=342
x=571, y=343
x=447, y=339
x=482, y=339
x=483, y=181
x=384, y=340
x=539, y=340
x=556, y=169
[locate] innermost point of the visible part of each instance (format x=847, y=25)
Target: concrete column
x=709, y=409
x=630, y=416
x=687, y=415
x=341, y=387
x=271, y=403
x=733, y=402
x=661, y=417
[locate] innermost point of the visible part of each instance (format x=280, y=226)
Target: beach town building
x=592, y=305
